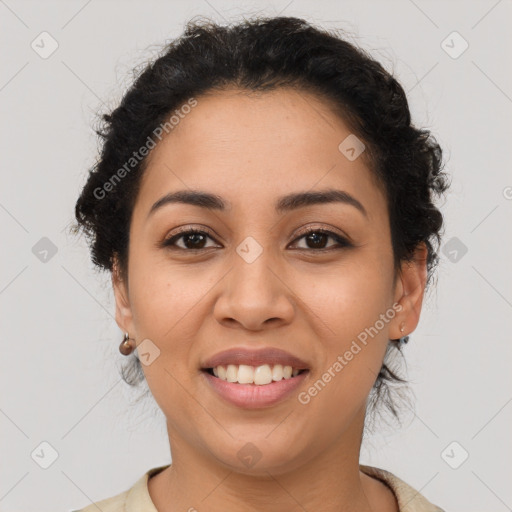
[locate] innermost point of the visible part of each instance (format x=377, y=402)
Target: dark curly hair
x=261, y=55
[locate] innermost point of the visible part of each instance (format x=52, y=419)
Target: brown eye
x=194, y=240
x=191, y=239
x=318, y=239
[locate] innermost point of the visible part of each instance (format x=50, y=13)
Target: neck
x=331, y=481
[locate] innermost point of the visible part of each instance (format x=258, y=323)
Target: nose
x=255, y=295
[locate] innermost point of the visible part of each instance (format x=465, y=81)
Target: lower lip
x=252, y=396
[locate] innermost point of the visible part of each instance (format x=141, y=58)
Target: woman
x=266, y=209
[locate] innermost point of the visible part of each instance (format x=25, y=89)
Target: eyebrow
x=284, y=204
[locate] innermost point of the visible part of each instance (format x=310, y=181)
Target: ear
x=409, y=291
x=124, y=316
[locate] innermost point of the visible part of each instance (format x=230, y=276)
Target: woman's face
x=253, y=279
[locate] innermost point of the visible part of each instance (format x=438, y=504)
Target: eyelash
x=342, y=242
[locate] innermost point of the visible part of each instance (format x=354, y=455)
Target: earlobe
x=409, y=292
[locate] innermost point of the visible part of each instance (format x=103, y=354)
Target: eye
x=317, y=239
x=193, y=239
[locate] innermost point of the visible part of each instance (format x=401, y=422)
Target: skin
x=251, y=149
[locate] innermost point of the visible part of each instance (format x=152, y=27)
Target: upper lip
x=252, y=357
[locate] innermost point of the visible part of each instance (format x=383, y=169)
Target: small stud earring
x=404, y=339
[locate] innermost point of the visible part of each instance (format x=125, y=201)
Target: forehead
x=245, y=145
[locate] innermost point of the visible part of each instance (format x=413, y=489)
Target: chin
x=261, y=454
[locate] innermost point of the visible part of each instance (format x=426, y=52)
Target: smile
x=258, y=375
x=251, y=395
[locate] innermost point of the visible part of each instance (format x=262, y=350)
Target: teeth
x=221, y=372
x=245, y=374
x=259, y=375
x=262, y=375
x=277, y=372
x=232, y=373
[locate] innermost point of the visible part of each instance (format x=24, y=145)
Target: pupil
x=317, y=239
x=195, y=237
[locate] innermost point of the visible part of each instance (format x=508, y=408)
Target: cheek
x=165, y=297
x=169, y=306
x=351, y=312
x=349, y=297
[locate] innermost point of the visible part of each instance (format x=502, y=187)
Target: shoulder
x=134, y=499
x=408, y=498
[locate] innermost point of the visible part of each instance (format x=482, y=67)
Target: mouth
x=251, y=395
x=254, y=378
x=261, y=375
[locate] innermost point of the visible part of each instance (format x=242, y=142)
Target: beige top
x=137, y=498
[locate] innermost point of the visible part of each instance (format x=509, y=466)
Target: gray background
x=60, y=382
